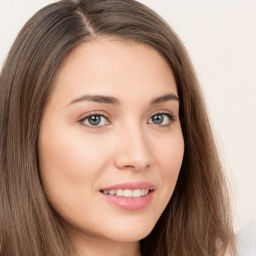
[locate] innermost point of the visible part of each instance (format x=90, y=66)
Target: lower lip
x=129, y=203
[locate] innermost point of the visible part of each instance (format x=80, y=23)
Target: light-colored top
x=246, y=239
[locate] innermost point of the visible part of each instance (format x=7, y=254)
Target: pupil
x=158, y=119
x=94, y=120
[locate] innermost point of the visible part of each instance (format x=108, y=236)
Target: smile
x=129, y=196
x=127, y=192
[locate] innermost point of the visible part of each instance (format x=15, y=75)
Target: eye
x=163, y=119
x=95, y=120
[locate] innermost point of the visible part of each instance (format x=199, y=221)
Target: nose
x=132, y=151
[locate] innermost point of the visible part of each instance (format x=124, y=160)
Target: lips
x=130, y=196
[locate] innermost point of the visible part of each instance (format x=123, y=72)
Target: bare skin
x=112, y=118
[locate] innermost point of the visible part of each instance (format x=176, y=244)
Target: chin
x=131, y=234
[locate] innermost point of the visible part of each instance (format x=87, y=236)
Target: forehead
x=115, y=67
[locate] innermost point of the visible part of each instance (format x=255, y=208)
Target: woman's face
x=110, y=142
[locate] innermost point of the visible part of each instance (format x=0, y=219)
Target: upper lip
x=131, y=185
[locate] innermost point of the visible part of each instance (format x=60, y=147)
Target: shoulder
x=246, y=240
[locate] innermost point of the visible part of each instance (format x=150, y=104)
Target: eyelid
x=94, y=113
x=107, y=116
x=170, y=115
x=167, y=112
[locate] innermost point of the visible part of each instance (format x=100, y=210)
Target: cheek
x=69, y=154
x=69, y=165
x=170, y=157
x=170, y=153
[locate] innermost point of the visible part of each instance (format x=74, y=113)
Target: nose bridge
x=133, y=147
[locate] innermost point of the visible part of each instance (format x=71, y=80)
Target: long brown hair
x=197, y=219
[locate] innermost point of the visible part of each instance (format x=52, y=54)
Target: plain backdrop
x=220, y=36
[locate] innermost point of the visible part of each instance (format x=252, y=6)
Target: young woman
x=106, y=148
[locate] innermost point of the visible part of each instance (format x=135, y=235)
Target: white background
x=221, y=39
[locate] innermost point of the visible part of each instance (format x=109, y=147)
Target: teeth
x=136, y=193
x=112, y=192
x=127, y=192
x=119, y=192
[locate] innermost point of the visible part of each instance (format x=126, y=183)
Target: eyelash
x=101, y=114
x=170, y=116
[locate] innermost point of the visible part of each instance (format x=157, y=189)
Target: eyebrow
x=97, y=98
x=115, y=101
x=166, y=97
